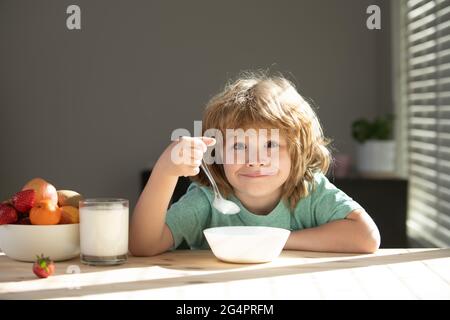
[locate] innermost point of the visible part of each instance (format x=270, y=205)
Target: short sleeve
x=188, y=217
x=329, y=203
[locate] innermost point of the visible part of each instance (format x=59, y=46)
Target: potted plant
x=375, y=153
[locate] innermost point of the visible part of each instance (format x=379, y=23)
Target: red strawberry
x=23, y=201
x=43, y=267
x=7, y=214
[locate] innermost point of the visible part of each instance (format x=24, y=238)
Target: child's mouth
x=258, y=174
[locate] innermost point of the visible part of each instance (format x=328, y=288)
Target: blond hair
x=256, y=99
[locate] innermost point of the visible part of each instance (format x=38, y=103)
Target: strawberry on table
x=24, y=200
x=7, y=214
x=43, y=267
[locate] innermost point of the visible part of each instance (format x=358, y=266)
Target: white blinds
x=427, y=51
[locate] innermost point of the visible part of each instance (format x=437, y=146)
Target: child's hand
x=183, y=157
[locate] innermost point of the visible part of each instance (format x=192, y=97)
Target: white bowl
x=24, y=242
x=246, y=244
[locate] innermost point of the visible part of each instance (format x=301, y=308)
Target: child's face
x=264, y=163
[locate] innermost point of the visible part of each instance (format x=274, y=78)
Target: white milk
x=104, y=230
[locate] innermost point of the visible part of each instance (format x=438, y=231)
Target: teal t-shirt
x=194, y=212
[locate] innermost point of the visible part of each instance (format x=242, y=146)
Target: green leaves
x=379, y=129
x=43, y=261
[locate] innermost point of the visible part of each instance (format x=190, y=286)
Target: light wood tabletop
x=186, y=274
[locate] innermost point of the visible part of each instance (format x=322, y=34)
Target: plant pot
x=376, y=157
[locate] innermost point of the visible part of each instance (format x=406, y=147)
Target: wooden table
x=185, y=274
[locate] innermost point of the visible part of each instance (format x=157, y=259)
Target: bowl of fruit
x=39, y=220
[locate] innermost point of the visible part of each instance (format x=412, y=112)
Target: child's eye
x=272, y=144
x=239, y=146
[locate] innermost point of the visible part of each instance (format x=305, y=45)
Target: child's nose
x=259, y=162
x=256, y=165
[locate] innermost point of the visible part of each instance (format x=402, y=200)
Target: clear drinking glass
x=104, y=231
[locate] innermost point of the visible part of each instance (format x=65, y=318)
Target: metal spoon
x=221, y=204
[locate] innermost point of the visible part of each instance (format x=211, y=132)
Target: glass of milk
x=104, y=231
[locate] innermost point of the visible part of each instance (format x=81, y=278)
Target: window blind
x=426, y=45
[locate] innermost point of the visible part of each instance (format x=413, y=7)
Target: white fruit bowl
x=24, y=242
x=246, y=244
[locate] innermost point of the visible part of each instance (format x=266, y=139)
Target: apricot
x=69, y=215
x=45, y=213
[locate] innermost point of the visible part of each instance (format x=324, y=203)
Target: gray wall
x=88, y=110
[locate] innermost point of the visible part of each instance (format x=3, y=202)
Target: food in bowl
x=243, y=244
x=24, y=242
x=40, y=220
x=39, y=203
